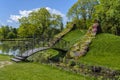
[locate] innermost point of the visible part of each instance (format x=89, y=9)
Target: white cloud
x=25, y=13
x=9, y=21
x=22, y=13
x=54, y=11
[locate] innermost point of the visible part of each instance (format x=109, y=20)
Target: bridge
x=56, y=43
x=31, y=47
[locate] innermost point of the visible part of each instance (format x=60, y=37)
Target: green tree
x=11, y=35
x=82, y=11
x=108, y=12
x=41, y=20
x=56, y=24
x=4, y=31
x=39, y=24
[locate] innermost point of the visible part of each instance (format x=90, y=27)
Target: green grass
x=69, y=39
x=104, y=51
x=4, y=57
x=43, y=55
x=36, y=71
x=74, y=36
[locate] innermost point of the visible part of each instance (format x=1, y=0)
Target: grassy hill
x=104, y=51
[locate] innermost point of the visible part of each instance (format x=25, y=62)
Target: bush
x=71, y=63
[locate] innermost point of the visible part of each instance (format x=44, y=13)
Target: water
x=9, y=48
x=18, y=47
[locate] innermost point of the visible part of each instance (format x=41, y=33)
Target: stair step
x=16, y=60
x=20, y=58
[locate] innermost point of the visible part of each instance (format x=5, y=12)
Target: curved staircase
x=82, y=46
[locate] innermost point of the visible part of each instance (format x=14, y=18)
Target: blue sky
x=12, y=10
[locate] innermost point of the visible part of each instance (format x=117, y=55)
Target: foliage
x=44, y=57
x=108, y=12
x=11, y=35
x=40, y=23
x=82, y=11
x=71, y=63
x=7, y=32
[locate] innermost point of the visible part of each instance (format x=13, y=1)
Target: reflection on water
x=9, y=48
x=19, y=47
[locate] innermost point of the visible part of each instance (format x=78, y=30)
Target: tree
x=108, y=12
x=82, y=11
x=11, y=35
x=40, y=19
x=4, y=31
x=39, y=23
x=7, y=31
x=56, y=24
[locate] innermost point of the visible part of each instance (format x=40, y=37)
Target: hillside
x=104, y=51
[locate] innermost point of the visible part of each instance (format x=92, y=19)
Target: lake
x=9, y=48
x=18, y=47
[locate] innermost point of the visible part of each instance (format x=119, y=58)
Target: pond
x=9, y=48
x=19, y=47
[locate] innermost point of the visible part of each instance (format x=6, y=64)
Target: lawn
x=35, y=71
x=4, y=57
x=104, y=51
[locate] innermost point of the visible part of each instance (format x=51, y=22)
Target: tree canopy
x=8, y=32
x=39, y=23
x=81, y=12
x=108, y=12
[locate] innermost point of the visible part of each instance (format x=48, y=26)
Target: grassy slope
x=35, y=71
x=104, y=51
x=74, y=36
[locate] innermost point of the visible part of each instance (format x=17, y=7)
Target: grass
x=74, y=36
x=35, y=71
x=4, y=57
x=43, y=55
x=104, y=51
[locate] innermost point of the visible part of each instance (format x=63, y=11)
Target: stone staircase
x=82, y=46
x=61, y=34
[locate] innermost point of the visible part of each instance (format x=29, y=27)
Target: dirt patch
x=4, y=63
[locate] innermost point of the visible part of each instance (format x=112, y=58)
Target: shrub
x=71, y=63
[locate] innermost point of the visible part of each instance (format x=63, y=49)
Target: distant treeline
x=8, y=32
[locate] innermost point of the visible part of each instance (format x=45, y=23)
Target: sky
x=12, y=10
